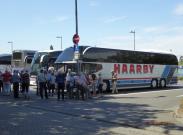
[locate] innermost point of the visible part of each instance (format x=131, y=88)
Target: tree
x=51, y=47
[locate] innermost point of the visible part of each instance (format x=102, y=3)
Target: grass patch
x=180, y=78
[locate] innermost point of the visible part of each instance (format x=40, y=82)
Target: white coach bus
x=5, y=62
x=42, y=60
x=21, y=59
x=134, y=68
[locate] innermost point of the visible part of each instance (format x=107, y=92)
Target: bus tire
x=154, y=83
x=106, y=85
x=162, y=83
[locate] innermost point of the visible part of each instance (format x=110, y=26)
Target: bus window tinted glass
x=17, y=55
x=91, y=68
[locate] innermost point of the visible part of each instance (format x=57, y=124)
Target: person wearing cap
x=114, y=82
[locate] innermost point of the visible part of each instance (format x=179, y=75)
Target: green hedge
x=180, y=78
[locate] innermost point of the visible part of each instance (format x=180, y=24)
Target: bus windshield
x=43, y=60
x=21, y=59
x=36, y=65
x=17, y=55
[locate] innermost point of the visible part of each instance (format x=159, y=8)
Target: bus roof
x=24, y=51
x=88, y=53
x=49, y=51
x=156, y=51
x=5, y=54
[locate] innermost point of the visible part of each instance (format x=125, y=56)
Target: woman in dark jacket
x=60, y=80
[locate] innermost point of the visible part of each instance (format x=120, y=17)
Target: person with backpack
x=16, y=80
x=60, y=80
x=25, y=79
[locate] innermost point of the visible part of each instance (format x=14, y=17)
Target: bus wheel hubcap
x=162, y=83
x=154, y=83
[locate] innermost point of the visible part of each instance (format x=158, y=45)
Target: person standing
x=93, y=84
x=100, y=83
x=25, y=84
x=52, y=83
x=42, y=84
x=60, y=80
x=68, y=81
x=114, y=82
x=16, y=81
x=1, y=82
x=7, y=82
x=84, y=86
x=48, y=79
x=21, y=74
x=72, y=85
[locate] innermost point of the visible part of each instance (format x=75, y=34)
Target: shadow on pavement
x=96, y=116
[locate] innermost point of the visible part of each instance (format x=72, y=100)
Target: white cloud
x=163, y=29
x=153, y=29
x=118, y=38
x=52, y=20
x=179, y=10
x=94, y=3
x=115, y=19
x=61, y=19
x=164, y=43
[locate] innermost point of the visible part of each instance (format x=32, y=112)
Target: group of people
x=81, y=85
x=77, y=86
x=19, y=80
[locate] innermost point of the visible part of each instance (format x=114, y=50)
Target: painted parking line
x=147, y=92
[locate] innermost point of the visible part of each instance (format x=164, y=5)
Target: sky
x=35, y=24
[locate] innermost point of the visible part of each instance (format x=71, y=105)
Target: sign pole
x=76, y=15
x=76, y=39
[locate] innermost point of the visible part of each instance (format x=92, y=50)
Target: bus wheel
x=162, y=83
x=154, y=83
x=106, y=86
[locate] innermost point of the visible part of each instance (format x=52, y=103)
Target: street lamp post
x=11, y=42
x=60, y=41
x=133, y=32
